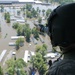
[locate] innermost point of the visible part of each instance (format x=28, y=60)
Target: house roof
x=13, y=1
x=36, y=1
x=26, y=0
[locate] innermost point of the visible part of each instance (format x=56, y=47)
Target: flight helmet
x=61, y=24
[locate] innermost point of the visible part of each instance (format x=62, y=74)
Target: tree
x=28, y=7
x=14, y=65
x=28, y=33
x=28, y=14
x=45, y=46
x=1, y=71
x=48, y=12
x=42, y=50
x=35, y=33
x=34, y=12
x=10, y=66
x=24, y=7
x=19, y=30
x=39, y=63
x=23, y=72
x=10, y=71
x=39, y=20
x=60, y=1
x=20, y=63
x=19, y=42
x=18, y=12
x=39, y=11
x=7, y=17
x=23, y=30
x=38, y=60
x=2, y=8
x=43, y=11
x=65, y=1
x=15, y=25
x=43, y=69
x=14, y=10
x=38, y=48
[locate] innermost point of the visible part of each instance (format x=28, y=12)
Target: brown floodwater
x=7, y=31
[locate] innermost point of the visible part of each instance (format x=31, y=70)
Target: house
x=16, y=37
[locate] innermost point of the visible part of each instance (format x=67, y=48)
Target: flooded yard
x=7, y=31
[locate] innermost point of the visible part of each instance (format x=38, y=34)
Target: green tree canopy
x=28, y=7
x=37, y=9
x=42, y=50
x=18, y=12
x=39, y=63
x=28, y=14
x=39, y=20
x=28, y=34
x=48, y=12
x=1, y=71
x=19, y=42
x=35, y=33
x=43, y=11
x=14, y=65
x=20, y=63
x=59, y=1
x=34, y=12
x=15, y=25
x=2, y=8
x=23, y=30
x=19, y=30
x=7, y=17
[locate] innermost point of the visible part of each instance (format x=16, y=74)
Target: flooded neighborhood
x=9, y=35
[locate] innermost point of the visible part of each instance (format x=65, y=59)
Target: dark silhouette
x=61, y=28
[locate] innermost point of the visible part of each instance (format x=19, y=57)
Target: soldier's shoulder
x=63, y=66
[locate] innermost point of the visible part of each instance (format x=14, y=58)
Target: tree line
x=30, y=12
x=59, y=1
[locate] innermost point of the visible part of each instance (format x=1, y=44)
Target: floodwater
x=7, y=31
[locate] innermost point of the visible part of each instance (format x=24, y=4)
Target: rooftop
x=8, y=1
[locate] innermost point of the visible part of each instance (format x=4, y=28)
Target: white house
x=16, y=37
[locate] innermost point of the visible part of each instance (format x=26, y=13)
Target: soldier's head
x=61, y=24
